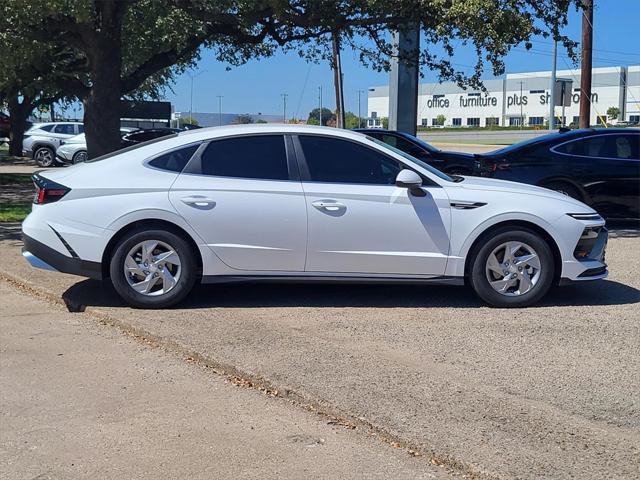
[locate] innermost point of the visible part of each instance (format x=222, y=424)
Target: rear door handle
x=329, y=205
x=198, y=201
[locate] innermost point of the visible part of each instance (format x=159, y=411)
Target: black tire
x=566, y=189
x=79, y=157
x=478, y=267
x=184, y=284
x=44, y=157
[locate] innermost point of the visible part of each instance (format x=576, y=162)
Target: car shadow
x=249, y=295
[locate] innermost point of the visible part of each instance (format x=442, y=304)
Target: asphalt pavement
x=544, y=392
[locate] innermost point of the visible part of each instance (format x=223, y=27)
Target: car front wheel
x=153, y=268
x=513, y=268
x=79, y=157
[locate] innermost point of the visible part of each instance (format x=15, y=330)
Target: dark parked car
x=147, y=134
x=599, y=167
x=452, y=163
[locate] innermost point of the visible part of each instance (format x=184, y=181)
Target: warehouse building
x=518, y=99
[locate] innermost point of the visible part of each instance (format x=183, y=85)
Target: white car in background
x=301, y=203
x=43, y=139
x=74, y=149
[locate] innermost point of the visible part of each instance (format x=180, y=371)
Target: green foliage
x=613, y=113
x=327, y=116
x=188, y=120
x=385, y=122
x=440, y=119
x=351, y=121
x=243, y=119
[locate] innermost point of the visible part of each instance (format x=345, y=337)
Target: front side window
x=65, y=129
x=261, y=157
x=175, y=160
x=334, y=160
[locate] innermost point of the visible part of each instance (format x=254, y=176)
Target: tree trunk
x=102, y=105
x=18, y=112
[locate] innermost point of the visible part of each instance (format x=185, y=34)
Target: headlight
x=585, y=216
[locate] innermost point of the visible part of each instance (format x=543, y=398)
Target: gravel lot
x=546, y=392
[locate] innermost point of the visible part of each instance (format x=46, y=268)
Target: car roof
x=230, y=130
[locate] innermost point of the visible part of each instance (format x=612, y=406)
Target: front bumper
x=40, y=255
x=589, y=255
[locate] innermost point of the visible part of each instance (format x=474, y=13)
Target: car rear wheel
x=79, y=157
x=153, y=268
x=513, y=268
x=44, y=156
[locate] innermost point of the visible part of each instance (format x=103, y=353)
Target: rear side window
x=261, y=157
x=175, y=160
x=340, y=161
x=65, y=129
x=623, y=146
x=46, y=128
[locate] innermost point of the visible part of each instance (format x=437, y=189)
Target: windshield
x=422, y=164
x=425, y=145
x=132, y=147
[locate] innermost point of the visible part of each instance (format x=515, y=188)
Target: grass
x=14, y=212
x=15, y=179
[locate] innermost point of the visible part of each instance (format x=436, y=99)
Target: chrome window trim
x=555, y=147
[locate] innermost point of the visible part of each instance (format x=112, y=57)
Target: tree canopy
x=134, y=47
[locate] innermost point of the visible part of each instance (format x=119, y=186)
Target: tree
x=125, y=44
x=385, y=122
x=188, y=120
x=613, y=113
x=351, y=120
x=440, y=119
x=327, y=116
x=243, y=119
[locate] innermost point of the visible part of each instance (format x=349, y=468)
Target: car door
x=359, y=221
x=608, y=167
x=245, y=200
x=60, y=132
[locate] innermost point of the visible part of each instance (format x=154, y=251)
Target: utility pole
x=320, y=102
x=219, y=109
x=585, y=70
x=284, y=108
x=403, y=80
x=337, y=80
x=552, y=88
x=359, y=111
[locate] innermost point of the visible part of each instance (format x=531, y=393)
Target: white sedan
x=298, y=203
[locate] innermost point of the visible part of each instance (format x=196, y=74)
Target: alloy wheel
x=152, y=268
x=513, y=268
x=44, y=157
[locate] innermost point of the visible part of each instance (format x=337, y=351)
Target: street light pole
x=552, y=88
x=219, y=109
x=521, y=112
x=192, y=76
x=284, y=108
x=359, y=111
x=320, y=101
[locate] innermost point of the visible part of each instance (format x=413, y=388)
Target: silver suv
x=42, y=140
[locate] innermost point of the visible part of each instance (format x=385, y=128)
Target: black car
x=452, y=163
x=600, y=167
x=147, y=134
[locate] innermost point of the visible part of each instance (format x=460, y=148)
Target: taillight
x=47, y=191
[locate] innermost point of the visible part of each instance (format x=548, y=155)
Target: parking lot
x=541, y=392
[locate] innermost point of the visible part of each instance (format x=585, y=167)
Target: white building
x=520, y=97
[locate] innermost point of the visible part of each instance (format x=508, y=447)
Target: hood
x=494, y=185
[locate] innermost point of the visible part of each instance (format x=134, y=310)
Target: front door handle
x=198, y=201
x=329, y=205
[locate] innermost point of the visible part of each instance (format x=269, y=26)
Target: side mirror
x=408, y=179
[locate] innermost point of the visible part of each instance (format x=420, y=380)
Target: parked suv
x=42, y=140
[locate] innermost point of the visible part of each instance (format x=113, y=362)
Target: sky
x=257, y=86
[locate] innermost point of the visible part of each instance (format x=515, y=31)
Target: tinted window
x=46, y=128
x=604, y=146
x=335, y=160
x=80, y=128
x=404, y=145
x=260, y=156
x=175, y=160
x=65, y=128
